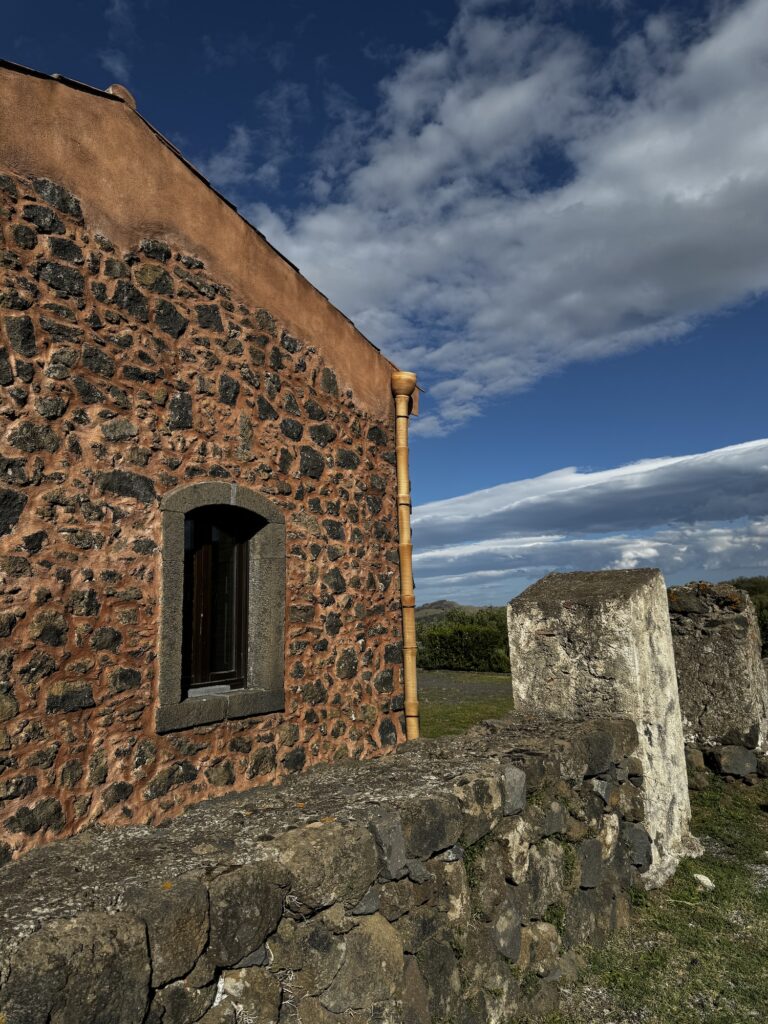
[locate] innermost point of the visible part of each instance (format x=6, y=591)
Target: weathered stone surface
x=732, y=760
x=181, y=1003
x=357, y=986
x=180, y=417
x=245, y=907
x=65, y=281
x=11, y=506
x=387, y=830
x=34, y=437
x=21, y=335
x=312, y=949
x=9, y=706
x=481, y=805
x=122, y=679
x=169, y=778
x=156, y=249
x=93, y=969
x=169, y=319
x=431, y=824
x=69, y=695
x=311, y=463
x=329, y=864
x=639, y=845
x=127, y=485
x=65, y=249
x=130, y=299
x=441, y=973
x=155, y=279
x=255, y=993
x=513, y=790
x=59, y=197
x=95, y=359
x=45, y=814
x=116, y=793
x=599, y=645
x=723, y=688
x=44, y=219
x=545, y=877
x=176, y=916
x=505, y=930
x=415, y=994
x=539, y=947
x=119, y=429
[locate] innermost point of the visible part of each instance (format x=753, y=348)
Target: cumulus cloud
x=257, y=155
x=519, y=202
x=695, y=515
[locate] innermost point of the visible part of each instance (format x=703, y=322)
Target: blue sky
x=555, y=212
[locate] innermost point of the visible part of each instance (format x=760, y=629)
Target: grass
x=692, y=957
x=689, y=957
x=451, y=702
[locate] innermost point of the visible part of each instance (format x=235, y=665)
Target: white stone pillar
x=599, y=645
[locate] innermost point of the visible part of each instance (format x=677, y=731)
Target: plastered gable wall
x=127, y=373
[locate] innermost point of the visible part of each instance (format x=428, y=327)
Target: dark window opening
x=215, y=599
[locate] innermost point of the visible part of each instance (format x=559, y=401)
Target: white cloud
x=118, y=15
x=117, y=64
x=695, y=515
x=518, y=202
x=257, y=155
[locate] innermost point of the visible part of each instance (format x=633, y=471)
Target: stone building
x=199, y=584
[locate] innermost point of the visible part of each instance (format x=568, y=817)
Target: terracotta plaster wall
x=125, y=373
x=133, y=185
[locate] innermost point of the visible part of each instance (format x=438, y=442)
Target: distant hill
x=435, y=610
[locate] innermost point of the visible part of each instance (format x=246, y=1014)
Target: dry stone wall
x=124, y=375
x=450, y=882
x=720, y=676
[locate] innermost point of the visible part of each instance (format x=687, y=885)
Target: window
x=214, y=646
x=223, y=606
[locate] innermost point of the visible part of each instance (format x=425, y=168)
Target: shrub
x=470, y=640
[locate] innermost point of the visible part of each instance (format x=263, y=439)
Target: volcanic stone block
x=245, y=907
x=596, y=645
x=94, y=967
x=176, y=916
x=722, y=683
x=732, y=760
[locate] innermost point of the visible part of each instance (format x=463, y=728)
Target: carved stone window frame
x=264, y=691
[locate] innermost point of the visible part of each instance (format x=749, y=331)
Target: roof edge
x=103, y=94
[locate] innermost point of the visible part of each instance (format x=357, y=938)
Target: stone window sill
x=206, y=710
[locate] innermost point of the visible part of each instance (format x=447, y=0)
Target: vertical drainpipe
x=403, y=386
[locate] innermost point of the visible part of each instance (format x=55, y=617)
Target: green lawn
x=451, y=702
x=692, y=957
x=689, y=957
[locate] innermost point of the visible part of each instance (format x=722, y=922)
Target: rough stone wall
x=123, y=375
x=599, y=643
x=448, y=883
x=722, y=683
